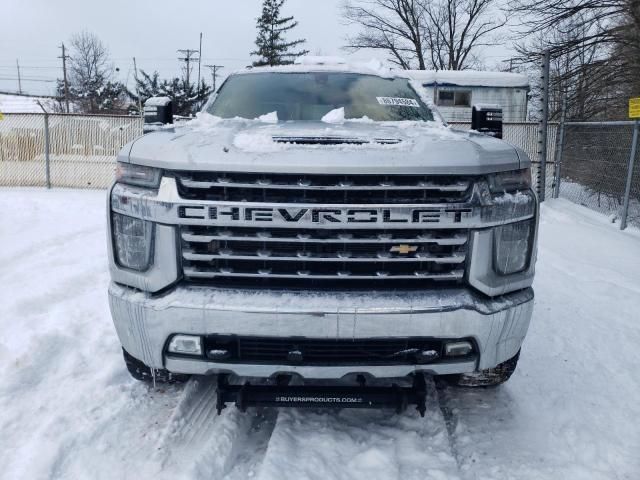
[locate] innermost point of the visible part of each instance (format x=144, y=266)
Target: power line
x=24, y=79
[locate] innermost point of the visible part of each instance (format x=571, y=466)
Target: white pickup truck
x=321, y=223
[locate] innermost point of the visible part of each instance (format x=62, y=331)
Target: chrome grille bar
x=201, y=257
x=265, y=236
x=421, y=185
x=222, y=273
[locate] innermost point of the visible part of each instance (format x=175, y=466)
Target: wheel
x=491, y=377
x=141, y=372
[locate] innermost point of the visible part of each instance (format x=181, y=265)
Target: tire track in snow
x=198, y=443
x=354, y=444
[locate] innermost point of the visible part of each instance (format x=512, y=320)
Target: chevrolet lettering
x=300, y=216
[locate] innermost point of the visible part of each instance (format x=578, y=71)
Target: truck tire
x=141, y=372
x=491, y=377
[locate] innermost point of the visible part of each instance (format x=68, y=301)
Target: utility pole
x=135, y=77
x=64, y=73
x=544, y=122
x=19, y=79
x=187, y=59
x=214, y=73
x=199, y=62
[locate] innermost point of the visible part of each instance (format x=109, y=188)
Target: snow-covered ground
x=23, y=104
x=68, y=408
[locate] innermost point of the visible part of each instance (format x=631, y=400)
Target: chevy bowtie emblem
x=404, y=249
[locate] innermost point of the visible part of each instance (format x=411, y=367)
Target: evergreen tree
x=273, y=49
x=187, y=98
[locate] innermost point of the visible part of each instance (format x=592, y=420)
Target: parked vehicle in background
x=321, y=222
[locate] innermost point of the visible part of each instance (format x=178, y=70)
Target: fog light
x=186, y=345
x=458, y=349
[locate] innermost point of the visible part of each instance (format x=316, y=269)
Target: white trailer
x=455, y=92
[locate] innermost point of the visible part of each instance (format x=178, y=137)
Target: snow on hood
x=334, y=116
x=353, y=146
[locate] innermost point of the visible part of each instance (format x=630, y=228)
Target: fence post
x=632, y=159
x=559, y=151
x=47, y=168
x=544, y=125
x=47, y=151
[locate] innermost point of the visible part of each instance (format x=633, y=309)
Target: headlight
x=510, y=181
x=133, y=242
x=512, y=247
x=138, y=175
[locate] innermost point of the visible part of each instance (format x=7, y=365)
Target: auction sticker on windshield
x=398, y=102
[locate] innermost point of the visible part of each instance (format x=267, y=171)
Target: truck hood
x=355, y=147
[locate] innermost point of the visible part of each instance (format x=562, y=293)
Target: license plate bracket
x=323, y=396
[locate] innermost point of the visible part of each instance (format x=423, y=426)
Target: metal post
x=632, y=159
x=559, y=151
x=544, y=125
x=47, y=169
x=46, y=150
x=19, y=77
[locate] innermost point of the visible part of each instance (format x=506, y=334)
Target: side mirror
x=158, y=111
x=487, y=119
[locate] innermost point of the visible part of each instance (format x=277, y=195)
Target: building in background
x=455, y=92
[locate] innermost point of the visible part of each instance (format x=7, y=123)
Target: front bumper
x=145, y=322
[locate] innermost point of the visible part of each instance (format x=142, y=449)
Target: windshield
x=310, y=96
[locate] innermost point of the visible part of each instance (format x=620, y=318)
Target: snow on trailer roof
x=469, y=78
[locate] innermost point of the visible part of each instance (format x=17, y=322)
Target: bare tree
x=392, y=26
x=438, y=34
x=458, y=28
x=90, y=73
x=595, y=47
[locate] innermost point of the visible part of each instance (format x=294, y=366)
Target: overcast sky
x=152, y=31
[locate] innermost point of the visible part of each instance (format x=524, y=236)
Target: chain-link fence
x=62, y=150
x=594, y=168
x=81, y=149
x=525, y=135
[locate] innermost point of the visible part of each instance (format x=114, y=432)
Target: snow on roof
x=320, y=60
x=157, y=101
x=328, y=64
x=22, y=104
x=469, y=78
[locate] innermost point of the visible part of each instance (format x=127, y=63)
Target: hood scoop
x=333, y=140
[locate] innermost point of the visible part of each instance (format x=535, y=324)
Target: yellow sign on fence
x=634, y=107
x=1, y=116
